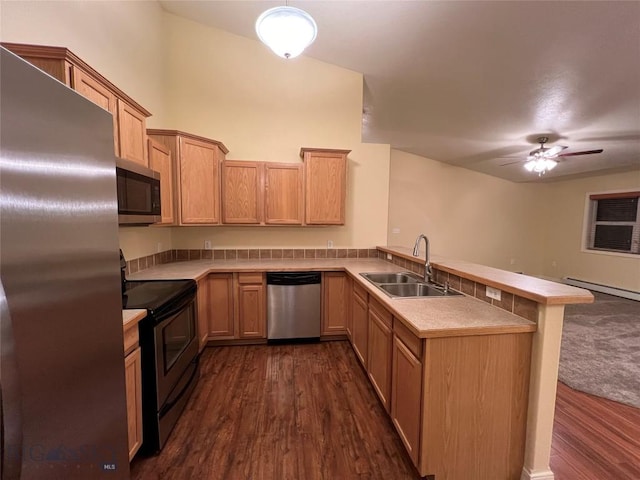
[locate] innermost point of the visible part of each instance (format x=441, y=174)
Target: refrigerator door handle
x=10, y=415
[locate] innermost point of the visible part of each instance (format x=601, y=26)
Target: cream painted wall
x=565, y=225
x=124, y=41
x=233, y=89
x=226, y=87
x=466, y=215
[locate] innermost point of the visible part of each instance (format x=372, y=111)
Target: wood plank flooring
x=281, y=412
x=594, y=438
x=292, y=412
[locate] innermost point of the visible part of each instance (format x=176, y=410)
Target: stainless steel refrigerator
x=62, y=363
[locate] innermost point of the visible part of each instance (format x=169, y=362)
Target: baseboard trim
x=539, y=475
x=598, y=287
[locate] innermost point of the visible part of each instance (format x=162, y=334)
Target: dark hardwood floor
x=594, y=438
x=281, y=412
x=292, y=412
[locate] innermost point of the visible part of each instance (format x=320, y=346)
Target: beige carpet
x=601, y=348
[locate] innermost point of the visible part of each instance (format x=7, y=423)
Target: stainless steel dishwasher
x=293, y=305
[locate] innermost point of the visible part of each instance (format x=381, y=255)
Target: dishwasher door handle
x=293, y=278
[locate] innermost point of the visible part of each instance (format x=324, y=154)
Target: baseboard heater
x=618, y=292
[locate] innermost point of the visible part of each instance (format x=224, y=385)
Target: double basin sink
x=407, y=285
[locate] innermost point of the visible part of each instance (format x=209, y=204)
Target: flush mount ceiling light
x=286, y=30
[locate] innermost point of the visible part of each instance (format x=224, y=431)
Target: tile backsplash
x=523, y=307
x=181, y=255
x=520, y=306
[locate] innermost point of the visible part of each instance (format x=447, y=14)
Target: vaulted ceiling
x=475, y=83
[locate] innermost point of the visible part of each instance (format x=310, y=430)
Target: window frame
x=590, y=222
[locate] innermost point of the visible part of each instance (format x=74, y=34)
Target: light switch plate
x=494, y=293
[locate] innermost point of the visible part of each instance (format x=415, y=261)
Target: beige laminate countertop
x=426, y=317
x=537, y=289
x=132, y=317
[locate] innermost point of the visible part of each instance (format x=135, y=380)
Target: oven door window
x=176, y=336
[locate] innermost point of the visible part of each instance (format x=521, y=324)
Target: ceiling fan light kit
x=540, y=165
x=541, y=160
x=287, y=31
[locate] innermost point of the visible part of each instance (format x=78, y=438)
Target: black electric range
x=169, y=351
x=156, y=296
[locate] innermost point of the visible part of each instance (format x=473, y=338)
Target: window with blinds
x=614, y=222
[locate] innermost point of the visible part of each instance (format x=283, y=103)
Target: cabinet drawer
x=252, y=277
x=382, y=312
x=130, y=339
x=360, y=291
x=413, y=343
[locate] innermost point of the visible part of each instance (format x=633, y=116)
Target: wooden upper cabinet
x=132, y=133
x=130, y=140
x=325, y=185
x=199, y=169
x=98, y=93
x=283, y=196
x=160, y=161
x=196, y=162
x=242, y=191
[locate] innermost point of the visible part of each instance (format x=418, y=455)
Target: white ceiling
x=473, y=83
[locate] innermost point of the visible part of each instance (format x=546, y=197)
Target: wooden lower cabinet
x=359, y=323
x=380, y=351
x=347, y=312
x=459, y=404
x=335, y=303
x=202, y=298
x=251, y=300
x=215, y=308
x=133, y=386
x=406, y=396
x=232, y=307
x=474, y=406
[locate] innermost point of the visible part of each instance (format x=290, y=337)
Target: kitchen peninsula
x=442, y=358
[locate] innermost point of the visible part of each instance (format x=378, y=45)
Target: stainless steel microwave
x=138, y=194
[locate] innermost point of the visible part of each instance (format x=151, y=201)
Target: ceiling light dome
x=286, y=30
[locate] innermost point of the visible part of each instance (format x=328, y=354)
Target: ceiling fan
x=542, y=159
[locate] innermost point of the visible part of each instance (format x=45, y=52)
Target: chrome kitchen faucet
x=428, y=272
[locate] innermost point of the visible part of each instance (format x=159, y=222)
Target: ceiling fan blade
x=586, y=152
x=553, y=151
x=510, y=163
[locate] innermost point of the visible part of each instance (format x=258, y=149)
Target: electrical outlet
x=329, y=243
x=494, y=293
x=159, y=247
x=389, y=256
x=207, y=245
x=554, y=264
x=395, y=230
x=512, y=261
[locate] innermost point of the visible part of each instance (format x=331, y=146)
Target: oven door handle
x=169, y=405
x=175, y=308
